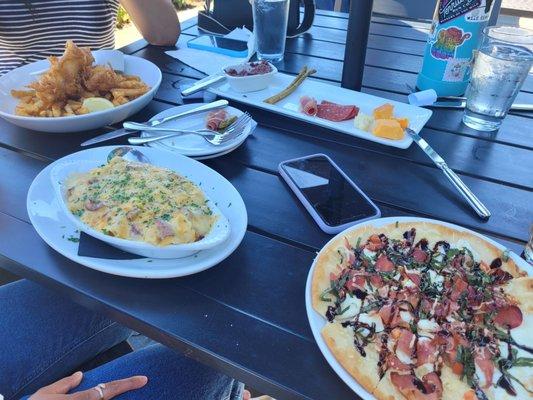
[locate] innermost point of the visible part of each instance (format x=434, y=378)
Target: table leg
x=356, y=42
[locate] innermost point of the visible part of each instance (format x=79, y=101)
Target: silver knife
x=203, y=83
x=469, y=196
x=462, y=104
x=122, y=132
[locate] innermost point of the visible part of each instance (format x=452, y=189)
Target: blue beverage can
x=454, y=35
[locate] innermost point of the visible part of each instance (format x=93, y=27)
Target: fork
x=215, y=138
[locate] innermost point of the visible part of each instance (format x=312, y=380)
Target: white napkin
x=212, y=63
x=423, y=98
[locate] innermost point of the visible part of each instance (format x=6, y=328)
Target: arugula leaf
x=324, y=293
x=465, y=357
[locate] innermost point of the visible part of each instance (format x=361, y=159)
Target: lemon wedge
x=94, y=104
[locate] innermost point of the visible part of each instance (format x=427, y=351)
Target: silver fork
x=215, y=138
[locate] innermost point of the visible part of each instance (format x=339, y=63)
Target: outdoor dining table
x=246, y=317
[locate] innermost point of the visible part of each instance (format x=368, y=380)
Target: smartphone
x=332, y=199
x=219, y=44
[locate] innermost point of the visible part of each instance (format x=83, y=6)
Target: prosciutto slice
x=215, y=118
x=308, y=105
x=336, y=112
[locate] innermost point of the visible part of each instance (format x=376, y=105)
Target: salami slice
x=336, y=112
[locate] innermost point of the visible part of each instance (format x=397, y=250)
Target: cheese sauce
x=140, y=202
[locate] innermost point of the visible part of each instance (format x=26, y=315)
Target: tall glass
x=500, y=67
x=270, y=28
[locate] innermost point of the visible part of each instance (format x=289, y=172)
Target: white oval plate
x=62, y=170
x=194, y=145
x=56, y=228
x=19, y=77
x=318, y=321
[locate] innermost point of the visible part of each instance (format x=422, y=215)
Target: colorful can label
x=455, y=34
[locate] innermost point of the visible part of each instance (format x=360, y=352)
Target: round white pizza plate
x=59, y=232
x=194, y=145
x=318, y=321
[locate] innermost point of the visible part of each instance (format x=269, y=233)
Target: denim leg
x=44, y=337
x=170, y=376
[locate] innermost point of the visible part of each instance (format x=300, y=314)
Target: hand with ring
x=103, y=391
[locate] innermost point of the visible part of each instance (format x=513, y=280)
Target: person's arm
x=156, y=20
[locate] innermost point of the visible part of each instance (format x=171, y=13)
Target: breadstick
x=304, y=73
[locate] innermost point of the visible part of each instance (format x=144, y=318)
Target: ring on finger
x=100, y=389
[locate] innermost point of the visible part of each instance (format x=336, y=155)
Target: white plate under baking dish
x=317, y=321
x=289, y=106
x=62, y=170
x=59, y=232
x=20, y=77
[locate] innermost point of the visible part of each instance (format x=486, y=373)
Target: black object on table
x=246, y=317
x=356, y=43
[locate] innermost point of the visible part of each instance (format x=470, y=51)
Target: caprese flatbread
x=424, y=311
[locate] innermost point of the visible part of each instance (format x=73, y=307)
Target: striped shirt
x=31, y=30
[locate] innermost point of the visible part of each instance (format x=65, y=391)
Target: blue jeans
x=44, y=337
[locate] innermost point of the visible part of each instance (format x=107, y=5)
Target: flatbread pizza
x=418, y=310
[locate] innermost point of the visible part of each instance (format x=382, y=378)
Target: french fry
x=56, y=110
x=128, y=92
x=22, y=94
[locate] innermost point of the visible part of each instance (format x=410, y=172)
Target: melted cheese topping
x=140, y=202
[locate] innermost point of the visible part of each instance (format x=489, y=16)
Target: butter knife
x=459, y=103
x=469, y=196
x=202, y=84
x=122, y=132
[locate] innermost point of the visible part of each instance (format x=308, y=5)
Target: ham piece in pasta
x=215, y=118
x=308, y=105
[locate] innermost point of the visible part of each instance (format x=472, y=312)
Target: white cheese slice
x=466, y=244
x=369, y=253
x=426, y=327
x=373, y=318
x=406, y=316
x=352, y=305
x=424, y=369
x=408, y=283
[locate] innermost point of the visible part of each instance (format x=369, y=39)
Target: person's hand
x=59, y=390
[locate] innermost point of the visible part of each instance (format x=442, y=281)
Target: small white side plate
x=194, y=145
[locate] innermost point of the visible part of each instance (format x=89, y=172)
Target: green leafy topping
x=465, y=357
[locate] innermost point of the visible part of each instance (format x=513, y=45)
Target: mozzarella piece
x=405, y=358
x=424, y=369
x=369, y=253
x=352, y=305
x=406, y=316
x=464, y=243
x=408, y=283
x=426, y=327
x=435, y=278
x=373, y=318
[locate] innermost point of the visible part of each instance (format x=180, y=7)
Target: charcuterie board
x=322, y=91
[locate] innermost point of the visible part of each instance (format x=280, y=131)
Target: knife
x=469, y=196
x=203, y=83
x=122, y=132
x=462, y=104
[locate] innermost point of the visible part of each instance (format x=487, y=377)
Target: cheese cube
x=388, y=128
x=386, y=111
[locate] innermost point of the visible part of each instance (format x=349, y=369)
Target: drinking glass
x=500, y=67
x=270, y=28
x=528, y=251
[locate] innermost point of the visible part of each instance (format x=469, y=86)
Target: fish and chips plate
x=75, y=93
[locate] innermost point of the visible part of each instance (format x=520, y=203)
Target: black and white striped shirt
x=31, y=30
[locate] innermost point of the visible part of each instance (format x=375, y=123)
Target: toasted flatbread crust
x=340, y=341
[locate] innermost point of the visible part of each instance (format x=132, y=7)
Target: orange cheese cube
x=388, y=128
x=386, y=111
x=404, y=122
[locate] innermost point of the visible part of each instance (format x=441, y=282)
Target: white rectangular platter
x=322, y=91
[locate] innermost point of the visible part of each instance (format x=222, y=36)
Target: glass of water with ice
x=270, y=28
x=501, y=65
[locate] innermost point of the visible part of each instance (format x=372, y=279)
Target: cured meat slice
x=215, y=118
x=308, y=105
x=336, y=112
x=510, y=316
